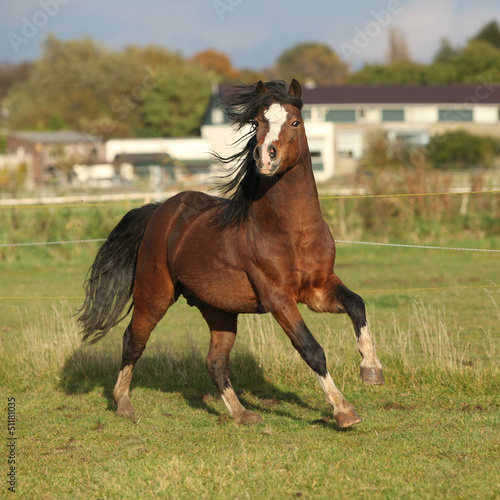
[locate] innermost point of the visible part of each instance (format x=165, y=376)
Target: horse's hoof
x=248, y=418
x=346, y=419
x=373, y=376
x=125, y=409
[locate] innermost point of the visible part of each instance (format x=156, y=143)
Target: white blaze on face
x=276, y=116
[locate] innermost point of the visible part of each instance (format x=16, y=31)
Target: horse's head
x=280, y=133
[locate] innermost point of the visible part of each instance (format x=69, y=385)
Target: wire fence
x=129, y=201
x=343, y=197
x=398, y=245
x=491, y=285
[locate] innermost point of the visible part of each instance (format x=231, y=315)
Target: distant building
x=48, y=153
x=163, y=159
x=339, y=120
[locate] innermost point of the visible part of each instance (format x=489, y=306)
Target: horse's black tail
x=110, y=280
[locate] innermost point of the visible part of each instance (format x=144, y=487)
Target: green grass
x=430, y=432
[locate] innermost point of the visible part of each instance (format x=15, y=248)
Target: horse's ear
x=261, y=88
x=295, y=89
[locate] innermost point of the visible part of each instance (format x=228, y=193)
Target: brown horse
x=264, y=248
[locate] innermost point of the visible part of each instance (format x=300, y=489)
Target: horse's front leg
x=290, y=319
x=333, y=296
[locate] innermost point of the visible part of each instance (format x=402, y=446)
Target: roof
x=56, y=136
x=403, y=94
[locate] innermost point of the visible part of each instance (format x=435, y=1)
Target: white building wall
x=421, y=114
x=223, y=139
x=370, y=115
x=321, y=136
x=194, y=148
x=485, y=114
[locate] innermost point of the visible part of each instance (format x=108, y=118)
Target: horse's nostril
x=256, y=153
x=272, y=152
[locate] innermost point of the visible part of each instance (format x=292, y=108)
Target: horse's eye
x=296, y=123
x=255, y=123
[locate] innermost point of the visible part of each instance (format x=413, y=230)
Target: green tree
x=314, y=62
x=82, y=85
x=396, y=73
x=175, y=107
x=446, y=53
x=478, y=61
x=458, y=149
x=490, y=33
x=11, y=74
x=73, y=83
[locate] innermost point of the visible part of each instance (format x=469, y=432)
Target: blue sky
x=253, y=32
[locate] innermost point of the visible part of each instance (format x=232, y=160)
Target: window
x=306, y=114
x=341, y=115
x=455, y=115
x=393, y=115
x=350, y=144
x=317, y=161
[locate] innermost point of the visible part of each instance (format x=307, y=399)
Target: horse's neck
x=292, y=200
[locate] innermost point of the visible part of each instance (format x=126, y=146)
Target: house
x=340, y=120
x=163, y=160
x=51, y=153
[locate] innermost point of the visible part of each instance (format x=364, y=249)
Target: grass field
x=431, y=432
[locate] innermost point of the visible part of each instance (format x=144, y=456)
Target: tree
x=175, y=107
x=401, y=73
x=489, y=33
x=459, y=148
x=217, y=64
x=479, y=61
x=446, y=52
x=74, y=83
x=82, y=85
x=312, y=62
x=398, y=47
x=11, y=74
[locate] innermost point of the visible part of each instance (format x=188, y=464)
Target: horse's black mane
x=241, y=104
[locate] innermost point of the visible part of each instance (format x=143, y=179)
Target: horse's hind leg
x=222, y=336
x=152, y=298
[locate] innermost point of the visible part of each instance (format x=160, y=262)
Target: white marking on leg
x=332, y=395
x=122, y=386
x=366, y=347
x=232, y=402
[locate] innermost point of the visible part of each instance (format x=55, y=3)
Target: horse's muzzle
x=266, y=158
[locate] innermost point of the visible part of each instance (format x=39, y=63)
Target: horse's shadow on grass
x=178, y=371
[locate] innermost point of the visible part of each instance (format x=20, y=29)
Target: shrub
x=461, y=149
